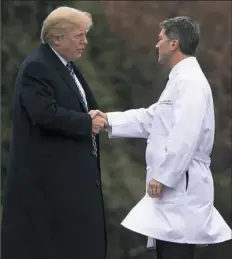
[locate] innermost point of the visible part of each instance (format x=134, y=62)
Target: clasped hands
x=99, y=121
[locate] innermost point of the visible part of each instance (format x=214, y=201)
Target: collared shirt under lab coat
x=179, y=129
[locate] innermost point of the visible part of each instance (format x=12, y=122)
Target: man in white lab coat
x=178, y=209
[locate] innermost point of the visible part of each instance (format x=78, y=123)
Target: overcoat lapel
x=63, y=72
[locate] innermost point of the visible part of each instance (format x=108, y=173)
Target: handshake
x=99, y=121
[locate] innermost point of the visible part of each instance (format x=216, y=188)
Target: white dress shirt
x=76, y=79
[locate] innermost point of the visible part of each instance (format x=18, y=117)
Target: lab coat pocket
x=163, y=120
x=170, y=196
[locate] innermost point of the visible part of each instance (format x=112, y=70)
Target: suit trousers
x=169, y=250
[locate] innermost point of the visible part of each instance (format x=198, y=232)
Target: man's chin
x=78, y=56
x=160, y=60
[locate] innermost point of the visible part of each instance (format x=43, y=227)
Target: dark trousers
x=169, y=250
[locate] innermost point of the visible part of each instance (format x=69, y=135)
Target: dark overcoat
x=53, y=204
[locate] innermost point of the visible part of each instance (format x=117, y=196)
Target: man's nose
x=85, y=41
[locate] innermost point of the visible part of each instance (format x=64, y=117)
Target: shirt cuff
x=109, y=121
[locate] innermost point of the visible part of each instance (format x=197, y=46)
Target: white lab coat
x=179, y=129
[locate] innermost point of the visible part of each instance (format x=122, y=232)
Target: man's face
x=164, y=48
x=72, y=44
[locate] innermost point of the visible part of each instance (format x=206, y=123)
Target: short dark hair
x=185, y=30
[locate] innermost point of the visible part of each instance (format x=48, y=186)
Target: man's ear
x=174, y=44
x=56, y=40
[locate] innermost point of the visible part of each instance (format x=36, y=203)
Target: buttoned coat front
x=53, y=204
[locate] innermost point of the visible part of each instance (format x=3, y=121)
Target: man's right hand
x=95, y=113
x=98, y=124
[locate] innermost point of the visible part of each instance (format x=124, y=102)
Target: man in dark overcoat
x=53, y=204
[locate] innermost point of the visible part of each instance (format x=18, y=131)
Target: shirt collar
x=182, y=64
x=59, y=56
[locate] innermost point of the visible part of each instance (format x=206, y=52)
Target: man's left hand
x=154, y=189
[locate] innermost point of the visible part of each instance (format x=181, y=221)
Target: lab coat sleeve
x=189, y=111
x=134, y=123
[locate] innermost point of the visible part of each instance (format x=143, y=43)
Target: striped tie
x=71, y=71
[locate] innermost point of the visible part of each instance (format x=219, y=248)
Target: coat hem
x=186, y=241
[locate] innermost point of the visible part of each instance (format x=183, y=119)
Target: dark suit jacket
x=53, y=205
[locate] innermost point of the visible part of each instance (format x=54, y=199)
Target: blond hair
x=61, y=20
